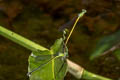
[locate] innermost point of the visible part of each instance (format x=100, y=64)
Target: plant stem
x=20, y=40
x=91, y=76
x=79, y=72
x=33, y=46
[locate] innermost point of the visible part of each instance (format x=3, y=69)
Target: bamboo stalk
x=79, y=72
x=73, y=68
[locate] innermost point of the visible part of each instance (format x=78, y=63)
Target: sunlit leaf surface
x=52, y=63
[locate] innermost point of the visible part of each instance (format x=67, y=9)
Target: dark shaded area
x=39, y=21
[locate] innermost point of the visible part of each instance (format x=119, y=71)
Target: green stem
x=20, y=40
x=33, y=46
x=91, y=76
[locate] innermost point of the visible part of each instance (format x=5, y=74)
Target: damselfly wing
x=68, y=24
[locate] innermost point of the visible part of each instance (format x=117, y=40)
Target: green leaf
x=105, y=44
x=53, y=66
x=57, y=46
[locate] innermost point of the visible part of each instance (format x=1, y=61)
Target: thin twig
x=111, y=49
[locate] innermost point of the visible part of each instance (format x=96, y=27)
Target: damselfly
x=59, y=51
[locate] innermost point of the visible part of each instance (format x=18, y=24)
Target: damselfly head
x=29, y=74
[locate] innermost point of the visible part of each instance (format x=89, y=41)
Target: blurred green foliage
x=117, y=54
x=105, y=44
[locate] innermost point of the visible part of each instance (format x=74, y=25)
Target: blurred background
x=39, y=21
